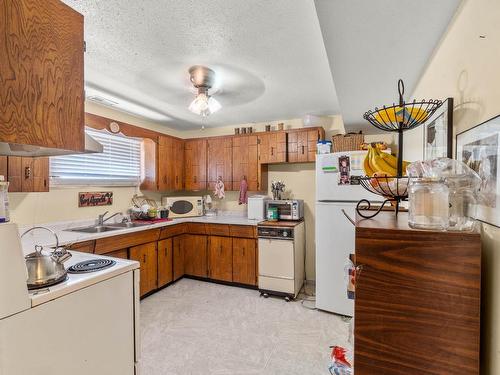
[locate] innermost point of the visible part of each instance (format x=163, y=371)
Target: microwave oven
x=183, y=206
x=292, y=209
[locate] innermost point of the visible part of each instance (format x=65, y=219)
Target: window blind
x=118, y=164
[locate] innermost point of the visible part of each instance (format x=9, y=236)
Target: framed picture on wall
x=438, y=132
x=479, y=148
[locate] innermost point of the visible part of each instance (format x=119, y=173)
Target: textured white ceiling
x=371, y=44
x=269, y=57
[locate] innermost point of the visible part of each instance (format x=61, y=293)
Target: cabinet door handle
x=144, y=258
x=27, y=172
x=302, y=150
x=272, y=151
x=194, y=178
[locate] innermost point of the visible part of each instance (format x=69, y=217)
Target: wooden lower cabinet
x=417, y=306
x=168, y=256
x=220, y=258
x=122, y=254
x=178, y=256
x=195, y=255
x=165, y=262
x=84, y=247
x=147, y=256
x=244, y=261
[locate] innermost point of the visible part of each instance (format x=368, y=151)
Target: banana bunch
x=378, y=163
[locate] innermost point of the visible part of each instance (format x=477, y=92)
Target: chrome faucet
x=101, y=219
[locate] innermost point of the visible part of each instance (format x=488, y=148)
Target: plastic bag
x=341, y=361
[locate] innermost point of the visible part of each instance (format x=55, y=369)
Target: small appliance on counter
x=257, y=207
x=183, y=206
x=291, y=209
x=281, y=258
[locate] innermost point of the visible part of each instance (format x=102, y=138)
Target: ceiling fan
x=203, y=79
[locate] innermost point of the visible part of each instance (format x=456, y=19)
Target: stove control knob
x=285, y=234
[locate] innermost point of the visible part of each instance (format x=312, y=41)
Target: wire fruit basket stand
x=395, y=118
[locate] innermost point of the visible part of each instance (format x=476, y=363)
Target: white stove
x=87, y=324
x=76, y=281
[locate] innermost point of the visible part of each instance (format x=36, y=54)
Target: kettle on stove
x=46, y=269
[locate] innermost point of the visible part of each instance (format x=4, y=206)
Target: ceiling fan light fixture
x=203, y=78
x=204, y=105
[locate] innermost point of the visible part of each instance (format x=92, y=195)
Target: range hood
x=14, y=149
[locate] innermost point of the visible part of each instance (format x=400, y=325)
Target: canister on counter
x=272, y=213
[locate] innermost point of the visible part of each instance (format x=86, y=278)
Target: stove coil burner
x=91, y=265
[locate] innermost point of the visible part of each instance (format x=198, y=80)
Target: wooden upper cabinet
x=170, y=162
x=146, y=255
x=220, y=258
x=150, y=162
x=178, y=164
x=272, y=147
x=220, y=162
x=26, y=174
x=164, y=163
x=302, y=144
x=313, y=136
x=41, y=74
x=245, y=162
x=41, y=174
x=3, y=166
x=195, y=161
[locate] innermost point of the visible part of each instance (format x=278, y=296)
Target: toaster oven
x=292, y=209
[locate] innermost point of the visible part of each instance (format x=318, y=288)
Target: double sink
x=105, y=227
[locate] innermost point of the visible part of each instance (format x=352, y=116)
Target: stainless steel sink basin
x=94, y=229
x=126, y=225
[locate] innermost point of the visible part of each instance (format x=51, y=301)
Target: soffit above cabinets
x=371, y=44
x=269, y=58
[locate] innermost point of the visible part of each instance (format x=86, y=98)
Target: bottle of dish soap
x=4, y=200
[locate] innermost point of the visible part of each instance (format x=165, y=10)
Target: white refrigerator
x=334, y=232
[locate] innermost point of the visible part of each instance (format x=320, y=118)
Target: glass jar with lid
x=462, y=211
x=428, y=203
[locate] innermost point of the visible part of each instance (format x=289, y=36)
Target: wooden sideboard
x=417, y=307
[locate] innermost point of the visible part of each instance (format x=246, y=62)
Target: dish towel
x=219, y=189
x=243, y=199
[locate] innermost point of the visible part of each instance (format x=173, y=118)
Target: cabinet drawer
x=217, y=229
x=172, y=231
x=84, y=247
x=196, y=228
x=243, y=231
x=122, y=254
x=108, y=244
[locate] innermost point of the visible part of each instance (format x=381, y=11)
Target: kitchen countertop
x=44, y=238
